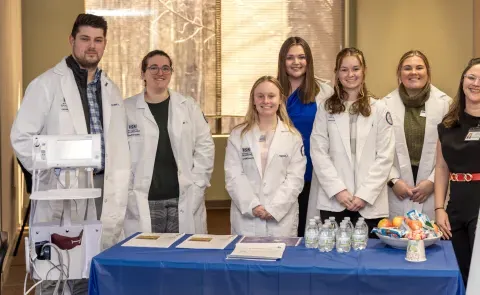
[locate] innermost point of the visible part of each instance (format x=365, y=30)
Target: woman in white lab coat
x=417, y=108
x=172, y=155
x=297, y=77
x=352, y=147
x=264, y=166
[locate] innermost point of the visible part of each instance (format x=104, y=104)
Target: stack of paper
x=200, y=241
x=288, y=241
x=258, y=251
x=163, y=240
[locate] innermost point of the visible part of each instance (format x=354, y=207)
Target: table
x=378, y=269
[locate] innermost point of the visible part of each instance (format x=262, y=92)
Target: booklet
x=204, y=241
x=258, y=251
x=288, y=241
x=153, y=240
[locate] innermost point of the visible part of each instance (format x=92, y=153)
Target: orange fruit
x=397, y=221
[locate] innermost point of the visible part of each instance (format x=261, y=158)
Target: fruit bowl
x=402, y=243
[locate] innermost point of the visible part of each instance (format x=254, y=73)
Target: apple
x=415, y=224
x=385, y=223
x=397, y=221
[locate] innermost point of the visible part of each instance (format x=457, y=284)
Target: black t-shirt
x=462, y=157
x=164, y=180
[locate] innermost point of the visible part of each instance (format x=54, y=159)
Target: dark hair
x=334, y=104
x=458, y=105
x=89, y=20
x=309, y=88
x=152, y=54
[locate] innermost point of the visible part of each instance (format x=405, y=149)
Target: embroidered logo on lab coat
x=64, y=106
x=133, y=130
x=247, y=154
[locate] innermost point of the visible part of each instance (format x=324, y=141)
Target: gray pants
x=164, y=216
x=75, y=287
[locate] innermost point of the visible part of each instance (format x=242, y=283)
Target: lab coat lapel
x=276, y=142
x=142, y=104
x=254, y=148
x=73, y=101
x=106, y=87
x=364, y=125
x=342, y=121
x=176, y=116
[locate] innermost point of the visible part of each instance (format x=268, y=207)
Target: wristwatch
x=392, y=182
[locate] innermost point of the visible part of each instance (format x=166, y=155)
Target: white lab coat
x=277, y=190
x=52, y=106
x=436, y=108
x=332, y=159
x=326, y=91
x=193, y=149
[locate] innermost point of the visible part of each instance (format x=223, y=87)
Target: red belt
x=464, y=177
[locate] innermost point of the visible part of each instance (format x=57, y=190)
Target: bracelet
x=439, y=208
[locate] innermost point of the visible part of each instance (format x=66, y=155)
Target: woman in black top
x=458, y=161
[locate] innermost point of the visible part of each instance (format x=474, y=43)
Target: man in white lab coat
x=76, y=97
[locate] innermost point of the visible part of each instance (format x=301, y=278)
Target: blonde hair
x=413, y=53
x=251, y=118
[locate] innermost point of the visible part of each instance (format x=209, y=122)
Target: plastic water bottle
x=311, y=235
x=358, y=237
x=349, y=222
x=334, y=224
x=325, y=239
x=348, y=228
x=318, y=222
x=343, y=240
x=365, y=225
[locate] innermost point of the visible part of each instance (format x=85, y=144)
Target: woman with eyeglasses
x=297, y=77
x=458, y=163
x=171, y=150
x=417, y=108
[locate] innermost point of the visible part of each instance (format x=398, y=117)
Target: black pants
x=302, y=208
x=463, y=216
x=354, y=215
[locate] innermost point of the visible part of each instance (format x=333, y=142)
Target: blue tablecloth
x=378, y=269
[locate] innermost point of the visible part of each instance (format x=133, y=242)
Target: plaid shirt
x=94, y=109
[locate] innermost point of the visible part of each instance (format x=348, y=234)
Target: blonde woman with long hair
x=352, y=147
x=264, y=166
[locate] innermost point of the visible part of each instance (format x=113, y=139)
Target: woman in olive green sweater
x=417, y=108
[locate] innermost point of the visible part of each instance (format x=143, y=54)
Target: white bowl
x=402, y=243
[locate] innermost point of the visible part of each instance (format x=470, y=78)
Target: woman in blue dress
x=305, y=93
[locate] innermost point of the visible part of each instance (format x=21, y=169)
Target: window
x=219, y=48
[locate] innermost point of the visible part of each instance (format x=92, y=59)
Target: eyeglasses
x=156, y=69
x=472, y=78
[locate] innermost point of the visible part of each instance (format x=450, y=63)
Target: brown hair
x=89, y=20
x=458, y=105
x=410, y=54
x=334, y=104
x=252, y=115
x=309, y=88
x=152, y=54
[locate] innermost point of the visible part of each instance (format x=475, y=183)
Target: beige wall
x=442, y=29
x=10, y=93
x=44, y=45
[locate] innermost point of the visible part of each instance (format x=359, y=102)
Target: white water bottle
x=325, y=239
x=334, y=224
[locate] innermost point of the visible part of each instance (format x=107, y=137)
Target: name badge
x=423, y=113
x=473, y=134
